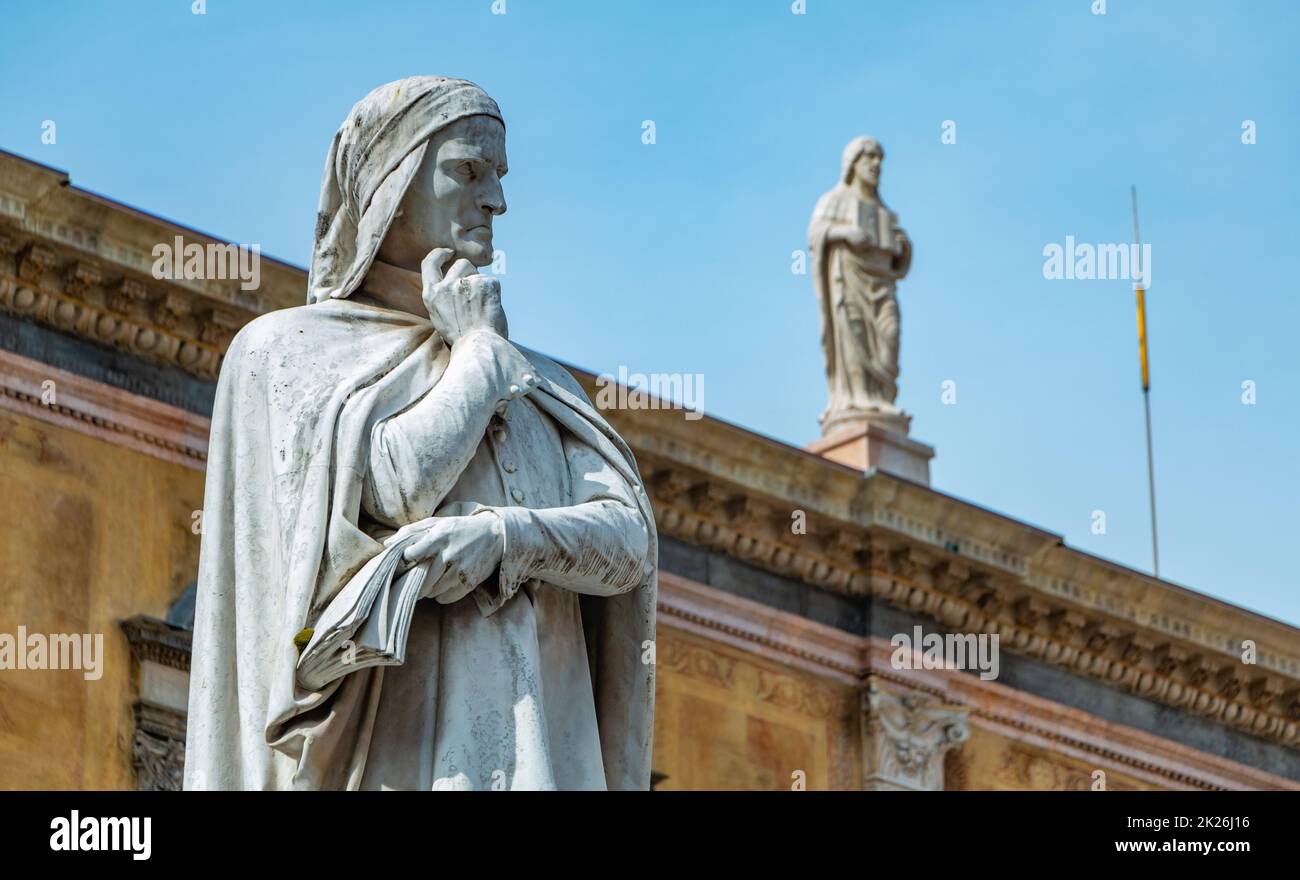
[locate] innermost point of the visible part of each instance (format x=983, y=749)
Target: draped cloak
x=300, y=392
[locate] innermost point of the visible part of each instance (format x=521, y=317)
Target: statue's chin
x=476, y=252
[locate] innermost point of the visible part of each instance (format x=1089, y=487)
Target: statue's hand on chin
x=463, y=552
x=461, y=301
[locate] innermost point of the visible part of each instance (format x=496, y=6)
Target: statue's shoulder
x=269, y=329
x=315, y=324
x=838, y=203
x=273, y=347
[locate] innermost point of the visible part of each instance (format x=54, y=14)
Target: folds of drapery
x=296, y=404
x=849, y=290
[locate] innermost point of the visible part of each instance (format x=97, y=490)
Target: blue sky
x=675, y=257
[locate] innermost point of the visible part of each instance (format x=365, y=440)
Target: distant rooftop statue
x=858, y=253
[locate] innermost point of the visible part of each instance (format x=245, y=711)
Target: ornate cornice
x=969, y=569
x=52, y=286
x=81, y=263
x=158, y=641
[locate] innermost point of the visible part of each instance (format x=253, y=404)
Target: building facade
x=788, y=579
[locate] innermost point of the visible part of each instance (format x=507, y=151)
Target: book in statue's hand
x=366, y=624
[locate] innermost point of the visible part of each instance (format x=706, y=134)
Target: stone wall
x=90, y=533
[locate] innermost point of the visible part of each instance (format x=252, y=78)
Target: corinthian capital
x=905, y=736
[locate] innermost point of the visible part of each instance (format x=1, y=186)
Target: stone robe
x=498, y=693
x=859, y=308
x=535, y=680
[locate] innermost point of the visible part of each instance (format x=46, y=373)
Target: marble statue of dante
x=427, y=561
x=858, y=253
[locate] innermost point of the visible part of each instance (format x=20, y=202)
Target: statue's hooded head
x=861, y=160
x=416, y=165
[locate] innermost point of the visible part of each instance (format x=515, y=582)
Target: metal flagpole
x=1146, y=385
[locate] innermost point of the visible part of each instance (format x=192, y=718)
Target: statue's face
x=453, y=197
x=867, y=167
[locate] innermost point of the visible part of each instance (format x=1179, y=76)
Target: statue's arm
x=599, y=546
x=844, y=233
x=436, y=438
x=903, y=259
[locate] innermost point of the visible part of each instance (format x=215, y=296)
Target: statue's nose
x=493, y=199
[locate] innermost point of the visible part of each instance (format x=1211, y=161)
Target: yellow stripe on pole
x=1142, y=339
x=1146, y=389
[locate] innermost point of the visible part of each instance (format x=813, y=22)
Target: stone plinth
x=877, y=441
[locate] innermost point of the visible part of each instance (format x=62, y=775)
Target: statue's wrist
x=480, y=330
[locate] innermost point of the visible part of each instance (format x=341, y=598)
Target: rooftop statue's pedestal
x=876, y=440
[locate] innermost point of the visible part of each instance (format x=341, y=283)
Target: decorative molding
x=692, y=661
x=1142, y=636
x=158, y=744
x=1031, y=770
x=788, y=639
x=39, y=204
x=905, y=736
x=160, y=328
x=84, y=264
x=760, y=629
x=102, y=411
x=158, y=749
x=158, y=641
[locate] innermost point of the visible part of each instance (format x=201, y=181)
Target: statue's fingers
x=483, y=286
x=431, y=265
x=425, y=547
x=406, y=530
x=459, y=269
x=446, y=581
x=438, y=579
x=453, y=586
